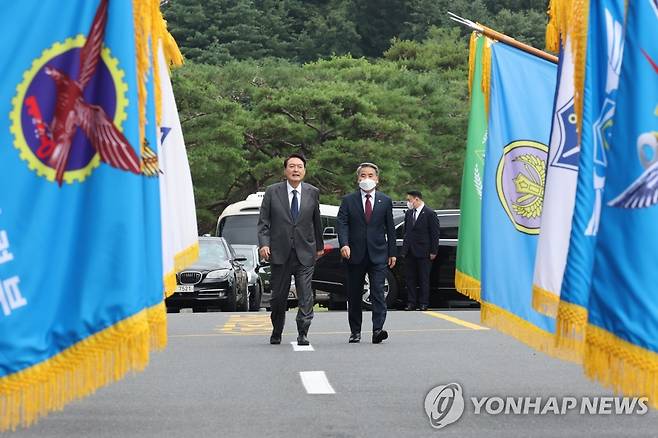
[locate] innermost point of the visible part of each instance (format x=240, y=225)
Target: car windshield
x=241, y=229
x=248, y=253
x=212, y=251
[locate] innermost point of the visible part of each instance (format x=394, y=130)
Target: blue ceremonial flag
x=81, y=283
x=602, y=66
x=621, y=345
x=520, y=113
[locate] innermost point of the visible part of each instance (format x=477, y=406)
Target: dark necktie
x=413, y=221
x=294, y=206
x=368, y=209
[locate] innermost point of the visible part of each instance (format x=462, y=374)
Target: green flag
x=467, y=275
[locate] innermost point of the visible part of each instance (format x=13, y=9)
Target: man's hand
x=319, y=254
x=391, y=262
x=264, y=252
x=432, y=256
x=345, y=252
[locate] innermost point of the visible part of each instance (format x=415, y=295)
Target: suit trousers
x=280, y=283
x=355, y=280
x=417, y=278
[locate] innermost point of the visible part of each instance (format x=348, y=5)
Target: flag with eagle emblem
x=621, y=341
x=81, y=277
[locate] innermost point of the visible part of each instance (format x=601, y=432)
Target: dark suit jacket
x=277, y=230
x=378, y=236
x=422, y=238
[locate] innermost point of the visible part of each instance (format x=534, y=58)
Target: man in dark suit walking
x=420, y=247
x=290, y=236
x=366, y=235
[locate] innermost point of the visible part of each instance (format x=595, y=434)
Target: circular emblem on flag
x=520, y=179
x=44, y=93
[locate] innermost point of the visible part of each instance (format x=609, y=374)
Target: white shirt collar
x=420, y=207
x=363, y=194
x=291, y=188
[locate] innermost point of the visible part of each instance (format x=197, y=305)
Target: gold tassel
x=486, y=72
x=467, y=285
x=570, y=325
x=78, y=371
x=625, y=367
x=523, y=331
x=157, y=320
x=472, y=47
x=544, y=301
x=579, y=29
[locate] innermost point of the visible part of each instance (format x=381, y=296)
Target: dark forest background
x=342, y=81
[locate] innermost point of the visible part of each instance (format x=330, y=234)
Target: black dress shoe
x=355, y=338
x=378, y=336
x=423, y=308
x=302, y=340
x=410, y=307
x=275, y=339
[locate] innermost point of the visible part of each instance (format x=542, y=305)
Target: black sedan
x=330, y=271
x=216, y=280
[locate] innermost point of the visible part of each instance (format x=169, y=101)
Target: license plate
x=185, y=288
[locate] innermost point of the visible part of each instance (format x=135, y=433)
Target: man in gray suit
x=290, y=236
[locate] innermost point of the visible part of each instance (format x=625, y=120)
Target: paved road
x=219, y=377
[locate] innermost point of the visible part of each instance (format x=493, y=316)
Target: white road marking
x=296, y=347
x=316, y=382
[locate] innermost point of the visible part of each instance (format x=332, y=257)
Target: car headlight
x=221, y=274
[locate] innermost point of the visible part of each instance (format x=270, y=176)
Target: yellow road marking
x=457, y=321
x=246, y=323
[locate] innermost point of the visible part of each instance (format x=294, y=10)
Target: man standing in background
x=366, y=235
x=290, y=237
x=420, y=247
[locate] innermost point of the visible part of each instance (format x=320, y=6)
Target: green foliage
x=339, y=80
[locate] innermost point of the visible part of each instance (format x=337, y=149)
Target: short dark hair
x=294, y=155
x=415, y=193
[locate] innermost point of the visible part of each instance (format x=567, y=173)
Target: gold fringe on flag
x=618, y=364
x=570, y=18
x=486, y=72
x=467, y=285
x=570, y=325
x=522, y=330
x=544, y=301
x=157, y=319
x=578, y=31
x=186, y=257
x=472, y=45
x=78, y=371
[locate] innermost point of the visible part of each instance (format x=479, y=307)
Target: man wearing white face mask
x=366, y=235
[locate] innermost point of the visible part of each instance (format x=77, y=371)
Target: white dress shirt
x=372, y=199
x=418, y=210
x=299, y=194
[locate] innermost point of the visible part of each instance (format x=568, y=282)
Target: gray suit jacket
x=277, y=230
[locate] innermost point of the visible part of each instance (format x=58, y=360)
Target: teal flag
x=80, y=263
x=603, y=61
x=622, y=333
x=520, y=114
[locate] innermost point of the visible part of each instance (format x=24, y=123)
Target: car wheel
x=231, y=304
x=254, y=299
x=390, y=291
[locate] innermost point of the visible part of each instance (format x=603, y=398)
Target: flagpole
x=493, y=34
